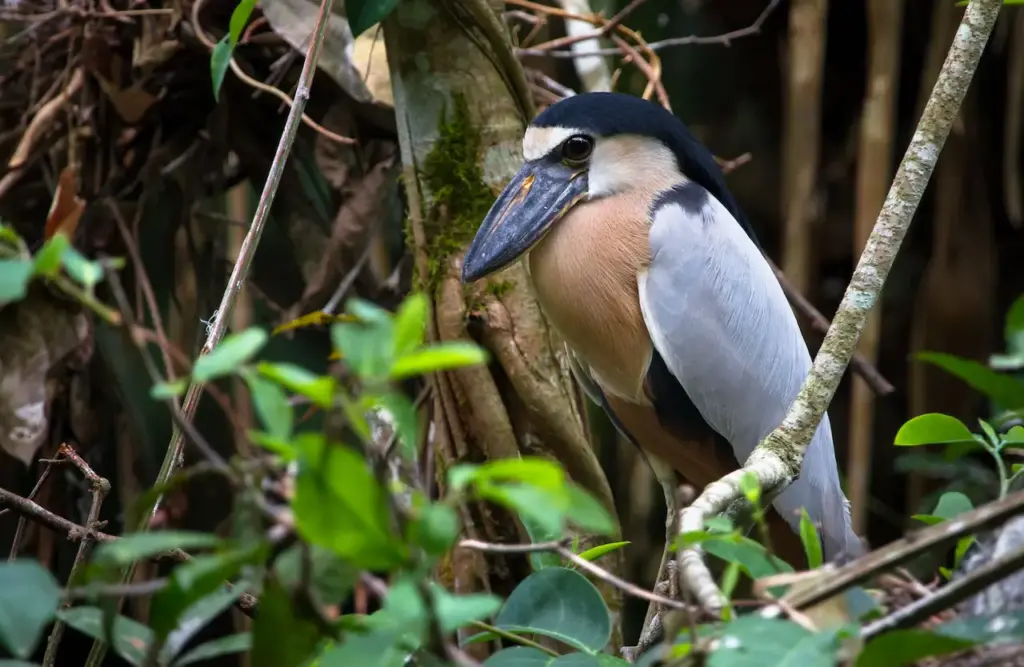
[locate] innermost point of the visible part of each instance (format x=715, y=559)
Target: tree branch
x=777, y=459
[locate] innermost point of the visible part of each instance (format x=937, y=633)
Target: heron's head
x=580, y=149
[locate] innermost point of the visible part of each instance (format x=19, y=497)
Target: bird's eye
x=577, y=148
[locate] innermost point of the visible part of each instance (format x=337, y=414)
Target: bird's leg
x=666, y=581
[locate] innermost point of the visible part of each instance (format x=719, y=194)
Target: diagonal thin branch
x=239, y=275
x=777, y=459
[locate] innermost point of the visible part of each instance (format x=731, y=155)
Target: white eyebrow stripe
x=539, y=141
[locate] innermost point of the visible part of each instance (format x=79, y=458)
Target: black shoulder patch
x=690, y=196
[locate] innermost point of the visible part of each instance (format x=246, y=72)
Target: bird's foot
x=653, y=631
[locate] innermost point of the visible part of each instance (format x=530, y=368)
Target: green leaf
x=271, y=405
x=239, y=18
x=229, y=355
x=330, y=578
x=196, y=617
x=1015, y=436
x=1014, y=328
x=436, y=528
x=586, y=512
x=130, y=638
x=907, y=647
x=286, y=449
x=317, y=388
x=751, y=556
x=239, y=643
x=366, y=347
x=1003, y=389
x=192, y=581
x=340, y=505
x=951, y=504
x=220, y=60
x=538, y=533
x=410, y=324
x=139, y=546
x=48, y=260
x=29, y=596
x=406, y=605
x=161, y=391
x=404, y=421
x=281, y=636
x=438, y=357
x=14, y=277
x=84, y=271
x=812, y=543
x=932, y=428
x=540, y=506
x=364, y=13
x=560, y=603
x=594, y=553
x=753, y=641
x=518, y=656
x=529, y=469
x=376, y=648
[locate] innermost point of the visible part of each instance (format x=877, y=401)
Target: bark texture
x=462, y=106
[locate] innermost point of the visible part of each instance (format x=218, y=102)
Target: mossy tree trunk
x=462, y=107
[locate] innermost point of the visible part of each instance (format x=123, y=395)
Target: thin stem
x=239, y=275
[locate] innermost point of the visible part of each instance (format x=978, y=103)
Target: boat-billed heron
x=672, y=318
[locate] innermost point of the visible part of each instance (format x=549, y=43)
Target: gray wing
x=719, y=318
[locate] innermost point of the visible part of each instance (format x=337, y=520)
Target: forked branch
x=777, y=459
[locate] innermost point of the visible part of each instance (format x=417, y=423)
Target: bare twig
x=238, y=277
x=820, y=323
x=100, y=487
x=777, y=460
x=947, y=596
x=724, y=39
x=22, y=520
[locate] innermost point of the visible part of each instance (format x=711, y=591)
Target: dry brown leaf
x=66, y=207
x=371, y=59
x=37, y=337
x=363, y=207
x=131, y=103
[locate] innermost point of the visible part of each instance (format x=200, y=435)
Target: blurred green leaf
x=754, y=641
x=197, y=617
x=951, y=504
x=235, y=350
x=281, y=636
x=410, y=324
x=751, y=556
x=14, y=278
x=317, y=388
x=1003, y=389
x=436, y=528
x=1015, y=436
x=86, y=272
x=29, y=596
x=1014, y=328
x=364, y=13
x=750, y=487
x=559, y=603
x=812, y=543
x=130, y=639
x=340, y=505
x=594, y=553
x=330, y=578
x=998, y=629
x=519, y=656
x=240, y=643
x=48, y=260
x=366, y=347
x=907, y=647
x=932, y=428
x=404, y=421
x=164, y=390
x=405, y=603
x=193, y=581
x=139, y=546
x=438, y=357
x=271, y=405
x=538, y=533
x=587, y=512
